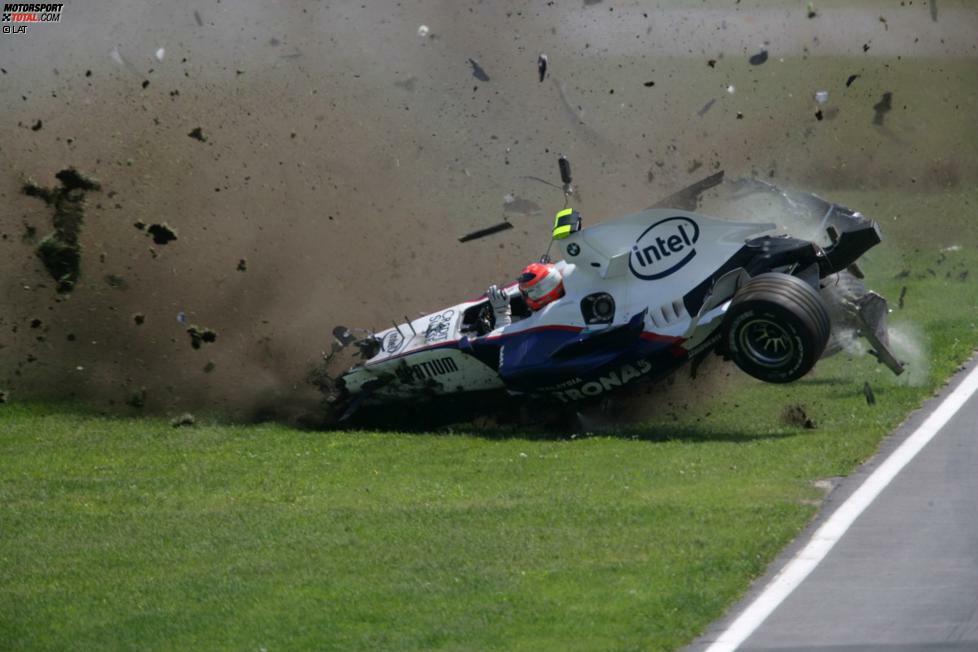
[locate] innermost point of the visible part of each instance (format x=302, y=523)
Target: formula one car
x=643, y=295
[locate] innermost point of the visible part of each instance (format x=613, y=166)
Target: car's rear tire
x=776, y=328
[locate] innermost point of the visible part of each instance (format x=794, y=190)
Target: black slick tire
x=776, y=328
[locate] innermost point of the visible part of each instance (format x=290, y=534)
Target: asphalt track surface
x=904, y=574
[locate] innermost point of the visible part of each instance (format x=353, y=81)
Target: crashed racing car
x=643, y=295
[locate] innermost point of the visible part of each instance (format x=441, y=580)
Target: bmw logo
x=573, y=249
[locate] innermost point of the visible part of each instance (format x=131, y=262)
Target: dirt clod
x=139, y=319
x=116, y=282
x=795, y=415
x=185, y=420
x=198, y=134
x=884, y=106
x=242, y=265
x=162, y=233
x=200, y=336
x=60, y=251
x=137, y=398
x=37, y=126
x=868, y=393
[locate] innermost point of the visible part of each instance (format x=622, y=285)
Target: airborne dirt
x=342, y=156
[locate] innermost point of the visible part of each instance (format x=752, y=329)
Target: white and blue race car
x=644, y=294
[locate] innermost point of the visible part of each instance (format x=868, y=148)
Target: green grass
x=127, y=533
x=122, y=533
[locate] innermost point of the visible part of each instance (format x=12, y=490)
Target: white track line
x=805, y=561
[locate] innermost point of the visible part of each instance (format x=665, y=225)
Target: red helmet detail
x=540, y=284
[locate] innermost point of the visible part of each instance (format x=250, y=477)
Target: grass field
x=122, y=533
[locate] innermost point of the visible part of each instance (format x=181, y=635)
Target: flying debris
x=60, y=251
x=200, y=335
x=851, y=79
x=477, y=71
x=185, y=420
x=868, y=393
x=542, y=62
x=884, y=106
x=759, y=58
x=481, y=233
x=162, y=233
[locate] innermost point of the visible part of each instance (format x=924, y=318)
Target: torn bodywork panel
x=644, y=294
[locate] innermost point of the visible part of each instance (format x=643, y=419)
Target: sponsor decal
x=393, y=341
x=424, y=370
x=664, y=248
x=16, y=16
x=573, y=249
x=567, y=383
x=621, y=376
x=438, y=326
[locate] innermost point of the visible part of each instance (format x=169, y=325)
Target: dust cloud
x=341, y=150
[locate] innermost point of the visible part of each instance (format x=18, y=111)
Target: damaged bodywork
x=645, y=294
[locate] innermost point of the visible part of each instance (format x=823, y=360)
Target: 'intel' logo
x=663, y=248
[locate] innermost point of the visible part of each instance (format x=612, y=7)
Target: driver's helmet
x=540, y=284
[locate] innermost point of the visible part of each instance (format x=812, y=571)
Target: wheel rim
x=766, y=342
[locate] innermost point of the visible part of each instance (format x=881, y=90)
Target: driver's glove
x=499, y=301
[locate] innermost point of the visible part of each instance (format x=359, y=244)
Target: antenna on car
x=568, y=220
x=565, y=175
